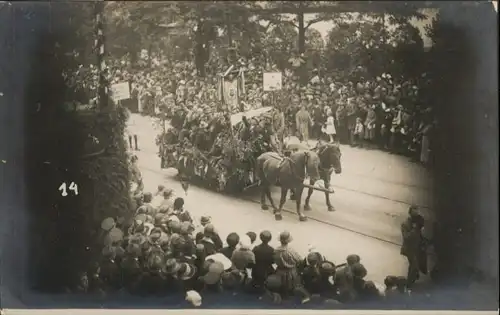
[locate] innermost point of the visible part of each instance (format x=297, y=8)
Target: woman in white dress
x=329, y=127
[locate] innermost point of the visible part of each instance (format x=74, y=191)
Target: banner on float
x=272, y=81
x=230, y=91
x=120, y=91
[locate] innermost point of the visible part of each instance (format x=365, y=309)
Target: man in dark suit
x=414, y=245
x=263, y=260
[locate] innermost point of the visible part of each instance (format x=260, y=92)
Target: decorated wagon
x=228, y=164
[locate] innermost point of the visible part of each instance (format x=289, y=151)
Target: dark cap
x=178, y=203
x=265, y=236
x=148, y=197
x=252, y=236
x=232, y=239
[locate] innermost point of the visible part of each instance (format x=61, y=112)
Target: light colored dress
x=330, y=126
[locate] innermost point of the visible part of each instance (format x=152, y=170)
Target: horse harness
x=292, y=164
x=321, y=150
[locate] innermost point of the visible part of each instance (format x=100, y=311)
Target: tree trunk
x=301, y=46
x=199, y=51
x=229, y=25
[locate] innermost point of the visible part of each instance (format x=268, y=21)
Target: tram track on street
x=357, y=191
x=325, y=222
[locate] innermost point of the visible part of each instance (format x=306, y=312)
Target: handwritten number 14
x=64, y=189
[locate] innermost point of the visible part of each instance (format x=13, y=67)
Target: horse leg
x=327, y=198
x=310, y=191
x=292, y=194
x=276, y=212
x=284, y=191
x=299, y=191
x=263, y=205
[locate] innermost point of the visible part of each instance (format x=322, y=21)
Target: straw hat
x=220, y=258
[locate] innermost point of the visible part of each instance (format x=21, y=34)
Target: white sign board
x=272, y=81
x=120, y=91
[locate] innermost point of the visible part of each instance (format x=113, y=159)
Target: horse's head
x=311, y=163
x=330, y=156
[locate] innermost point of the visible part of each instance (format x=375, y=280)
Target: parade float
x=228, y=166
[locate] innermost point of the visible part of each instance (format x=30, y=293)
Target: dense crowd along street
x=359, y=133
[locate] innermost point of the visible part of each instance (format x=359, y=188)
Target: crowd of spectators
x=164, y=250
x=368, y=111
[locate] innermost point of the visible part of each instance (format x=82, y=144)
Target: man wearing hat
x=327, y=271
x=130, y=132
x=318, y=119
x=288, y=261
x=208, y=242
x=352, y=115
x=204, y=220
x=303, y=121
x=212, y=275
x=263, y=260
x=186, y=275
x=311, y=273
x=341, y=120
x=413, y=247
x=211, y=233
x=243, y=258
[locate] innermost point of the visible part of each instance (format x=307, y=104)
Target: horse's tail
x=259, y=166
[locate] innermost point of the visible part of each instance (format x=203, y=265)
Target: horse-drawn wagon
x=241, y=158
x=229, y=164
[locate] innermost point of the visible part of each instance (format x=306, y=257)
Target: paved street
x=372, y=197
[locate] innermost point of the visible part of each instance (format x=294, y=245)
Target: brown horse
x=329, y=156
x=290, y=173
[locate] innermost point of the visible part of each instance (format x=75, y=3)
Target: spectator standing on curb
x=329, y=128
x=288, y=261
x=131, y=132
x=303, y=121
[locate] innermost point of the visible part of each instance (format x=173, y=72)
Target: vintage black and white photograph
x=248, y=154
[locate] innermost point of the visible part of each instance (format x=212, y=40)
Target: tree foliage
x=133, y=26
x=208, y=31
x=363, y=40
